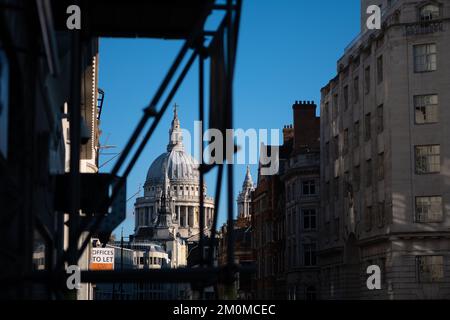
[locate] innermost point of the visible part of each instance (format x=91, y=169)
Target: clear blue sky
x=287, y=51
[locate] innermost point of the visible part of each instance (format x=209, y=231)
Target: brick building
x=284, y=214
x=268, y=230
x=301, y=179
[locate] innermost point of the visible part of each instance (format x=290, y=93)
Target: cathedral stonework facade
x=171, y=199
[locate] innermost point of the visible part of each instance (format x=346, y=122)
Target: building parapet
x=358, y=40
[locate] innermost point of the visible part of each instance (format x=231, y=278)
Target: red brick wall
x=306, y=125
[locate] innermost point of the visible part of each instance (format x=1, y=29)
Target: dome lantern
x=176, y=163
x=175, y=133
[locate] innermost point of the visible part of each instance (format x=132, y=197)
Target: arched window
x=429, y=12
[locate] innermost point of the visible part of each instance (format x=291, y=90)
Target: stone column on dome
x=191, y=218
x=197, y=216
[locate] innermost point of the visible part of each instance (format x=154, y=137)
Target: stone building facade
x=385, y=158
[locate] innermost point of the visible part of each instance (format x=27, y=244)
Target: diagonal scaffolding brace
x=228, y=29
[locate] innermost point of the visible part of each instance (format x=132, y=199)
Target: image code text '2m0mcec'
x=225, y=153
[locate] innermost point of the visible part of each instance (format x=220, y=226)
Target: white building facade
x=385, y=153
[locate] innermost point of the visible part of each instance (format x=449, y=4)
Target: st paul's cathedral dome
x=172, y=186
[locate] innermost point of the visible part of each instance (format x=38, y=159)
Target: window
x=428, y=159
x=367, y=127
x=345, y=146
x=336, y=188
x=295, y=256
x=336, y=147
x=430, y=268
x=356, y=177
x=346, y=187
x=356, y=90
x=326, y=110
x=368, y=218
x=293, y=222
x=380, y=69
x=309, y=219
x=429, y=12
x=367, y=80
x=368, y=173
x=426, y=109
x=40, y=251
x=336, y=228
x=356, y=134
x=425, y=58
x=345, y=98
x=381, y=214
x=380, y=166
x=429, y=209
x=309, y=254
x=294, y=190
x=335, y=106
x=380, y=118
x=309, y=187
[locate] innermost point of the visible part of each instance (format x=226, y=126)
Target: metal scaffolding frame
x=206, y=273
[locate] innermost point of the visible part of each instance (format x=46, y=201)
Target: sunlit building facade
x=385, y=158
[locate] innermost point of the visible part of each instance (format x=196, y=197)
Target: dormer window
x=429, y=12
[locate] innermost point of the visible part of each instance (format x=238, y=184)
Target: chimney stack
x=306, y=126
x=288, y=133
